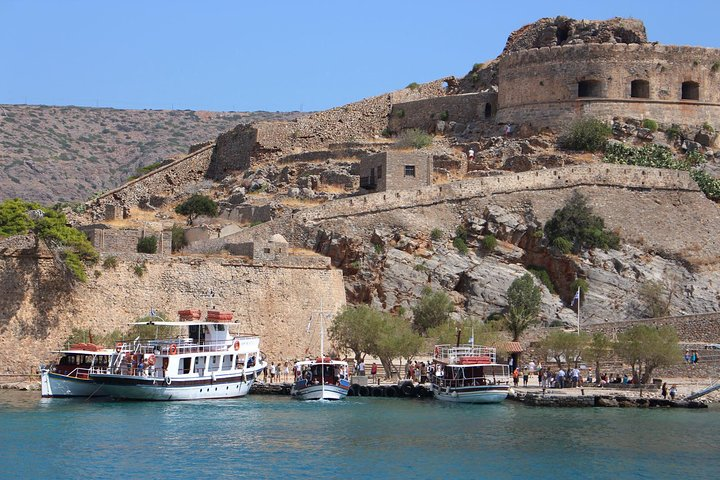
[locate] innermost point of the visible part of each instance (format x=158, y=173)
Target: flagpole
x=578, y=298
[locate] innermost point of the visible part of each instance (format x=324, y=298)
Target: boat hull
x=57, y=385
x=122, y=388
x=489, y=394
x=317, y=392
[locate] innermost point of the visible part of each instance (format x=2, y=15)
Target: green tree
x=14, y=219
x=646, y=348
x=197, y=205
x=599, y=348
x=523, y=305
x=564, y=347
x=365, y=330
x=576, y=223
x=395, y=339
x=354, y=329
x=433, y=309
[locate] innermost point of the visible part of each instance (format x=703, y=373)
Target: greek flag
x=472, y=340
x=152, y=312
x=307, y=329
x=576, y=298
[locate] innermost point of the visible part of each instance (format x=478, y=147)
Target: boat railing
x=458, y=353
x=483, y=380
x=175, y=346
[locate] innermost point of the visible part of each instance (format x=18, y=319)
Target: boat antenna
x=457, y=343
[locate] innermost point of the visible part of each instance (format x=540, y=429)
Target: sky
x=279, y=55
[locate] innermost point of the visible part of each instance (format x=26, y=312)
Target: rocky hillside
x=62, y=154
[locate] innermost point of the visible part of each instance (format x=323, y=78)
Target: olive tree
x=523, y=298
x=367, y=331
x=197, y=205
x=646, y=348
x=598, y=349
x=564, y=347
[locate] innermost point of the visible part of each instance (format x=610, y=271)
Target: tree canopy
x=646, y=348
x=523, y=305
x=565, y=347
x=197, y=205
x=433, y=309
x=575, y=223
x=365, y=330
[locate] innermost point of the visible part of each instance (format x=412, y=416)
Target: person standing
x=373, y=373
x=526, y=375
x=561, y=378
x=516, y=376
x=361, y=368
x=423, y=373
x=471, y=155
x=664, y=390
x=673, y=392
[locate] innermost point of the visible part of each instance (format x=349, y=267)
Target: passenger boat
x=70, y=375
x=320, y=379
x=210, y=362
x=469, y=374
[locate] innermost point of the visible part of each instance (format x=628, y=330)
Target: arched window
x=690, y=91
x=640, y=89
x=589, y=88
x=488, y=110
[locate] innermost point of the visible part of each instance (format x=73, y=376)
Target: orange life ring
x=236, y=345
x=118, y=347
x=173, y=349
x=151, y=359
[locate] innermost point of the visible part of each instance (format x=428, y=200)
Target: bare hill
x=56, y=154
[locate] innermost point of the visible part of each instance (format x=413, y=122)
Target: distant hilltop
x=68, y=154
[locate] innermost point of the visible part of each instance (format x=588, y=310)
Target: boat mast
x=322, y=349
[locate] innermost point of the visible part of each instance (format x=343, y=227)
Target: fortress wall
x=166, y=180
x=40, y=307
x=602, y=175
x=541, y=85
x=424, y=114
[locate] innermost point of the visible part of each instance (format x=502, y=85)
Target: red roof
x=513, y=347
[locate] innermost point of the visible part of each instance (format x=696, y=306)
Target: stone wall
x=425, y=114
x=167, y=180
x=540, y=86
x=40, y=307
x=622, y=176
x=107, y=240
x=690, y=328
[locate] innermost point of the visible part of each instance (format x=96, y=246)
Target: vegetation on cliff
x=586, y=134
x=575, y=224
x=659, y=156
x=18, y=217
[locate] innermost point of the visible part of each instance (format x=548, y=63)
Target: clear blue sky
x=277, y=55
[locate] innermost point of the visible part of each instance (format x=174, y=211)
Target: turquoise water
x=276, y=437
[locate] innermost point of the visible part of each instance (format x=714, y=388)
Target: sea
x=262, y=437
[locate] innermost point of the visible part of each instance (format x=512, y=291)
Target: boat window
x=214, y=363
x=220, y=328
x=227, y=362
x=185, y=365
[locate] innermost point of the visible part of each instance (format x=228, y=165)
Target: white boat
x=208, y=363
x=70, y=375
x=320, y=379
x=469, y=374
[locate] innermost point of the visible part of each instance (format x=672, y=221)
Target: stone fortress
x=550, y=72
